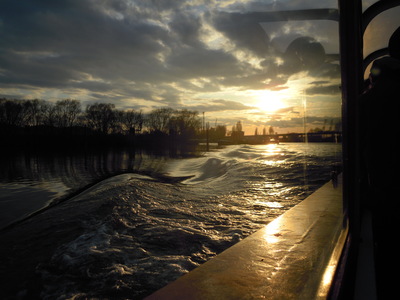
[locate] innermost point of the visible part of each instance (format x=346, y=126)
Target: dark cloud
x=56, y=45
x=244, y=31
x=262, y=5
x=257, y=80
x=220, y=105
x=152, y=53
x=187, y=28
x=330, y=89
x=200, y=62
x=57, y=42
x=53, y=43
x=302, y=54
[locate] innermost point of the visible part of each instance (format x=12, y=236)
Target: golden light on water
x=269, y=204
x=271, y=149
x=272, y=155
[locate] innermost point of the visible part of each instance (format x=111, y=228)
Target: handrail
x=375, y=9
x=374, y=55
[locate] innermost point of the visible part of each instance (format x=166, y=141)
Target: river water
x=127, y=223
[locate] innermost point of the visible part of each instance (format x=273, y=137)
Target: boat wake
x=131, y=234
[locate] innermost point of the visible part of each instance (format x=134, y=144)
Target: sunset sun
x=268, y=101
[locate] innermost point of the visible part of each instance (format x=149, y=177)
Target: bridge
x=312, y=137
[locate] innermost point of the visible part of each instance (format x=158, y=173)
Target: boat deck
x=293, y=257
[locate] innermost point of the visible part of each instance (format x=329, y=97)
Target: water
x=132, y=233
x=31, y=181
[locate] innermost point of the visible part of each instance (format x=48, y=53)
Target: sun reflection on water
x=269, y=204
x=272, y=155
x=271, y=149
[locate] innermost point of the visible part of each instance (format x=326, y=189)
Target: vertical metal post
x=351, y=57
x=352, y=83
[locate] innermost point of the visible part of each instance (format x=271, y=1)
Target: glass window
x=379, y=31
x=367, y=3
x=221, y=115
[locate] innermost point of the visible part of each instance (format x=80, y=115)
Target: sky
x=205, y=55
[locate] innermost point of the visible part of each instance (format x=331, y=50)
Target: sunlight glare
x=272, y=232
x=269, y=101
x=272, y=155
x=271, y=149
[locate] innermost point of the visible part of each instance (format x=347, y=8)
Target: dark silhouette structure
x=379, y=124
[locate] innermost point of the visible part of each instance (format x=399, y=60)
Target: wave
x=135, y=228
x=131, y=234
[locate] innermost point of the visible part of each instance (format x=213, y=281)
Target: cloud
x=187, y=28
x=147, y=54
x=260, y=5
x=57, y=43
x=200, y=62
x=220, y=105
x=237, y=27
x=54, y=45
x=285, y=110
x=330, y=89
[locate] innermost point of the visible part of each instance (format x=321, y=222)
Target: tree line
x=27, y=119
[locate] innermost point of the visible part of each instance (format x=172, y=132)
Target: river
x=121, y=225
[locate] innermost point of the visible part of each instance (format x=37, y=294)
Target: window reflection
x=378, y=33
x=180, y=74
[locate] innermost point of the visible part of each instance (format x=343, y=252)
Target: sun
x=268, y=101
